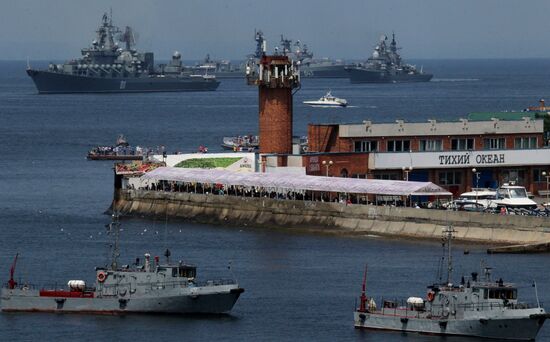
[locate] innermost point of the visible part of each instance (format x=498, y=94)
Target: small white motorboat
x=328, y=101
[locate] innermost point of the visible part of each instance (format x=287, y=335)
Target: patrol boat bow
x=487, y=309
x=149, y=288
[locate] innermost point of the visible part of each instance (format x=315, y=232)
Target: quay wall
x=334, y=218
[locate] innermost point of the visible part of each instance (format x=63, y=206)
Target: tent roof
x=297, y=182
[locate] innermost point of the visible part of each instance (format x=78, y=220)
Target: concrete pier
x=334, y=218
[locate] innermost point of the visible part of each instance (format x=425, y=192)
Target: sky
x=349, y=29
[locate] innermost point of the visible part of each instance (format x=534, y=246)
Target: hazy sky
x=58, y=29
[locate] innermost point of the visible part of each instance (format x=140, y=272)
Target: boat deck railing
x=402, y=309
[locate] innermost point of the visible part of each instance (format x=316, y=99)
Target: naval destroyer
x=148, y=287
x=476, y=307
x=107, y=67
x=386, y=66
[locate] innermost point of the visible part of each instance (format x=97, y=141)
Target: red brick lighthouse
x=276, y=77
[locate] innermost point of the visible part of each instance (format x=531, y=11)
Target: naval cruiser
x=386, y=66
x=148, y=287
x=109, y=67
x=476, y=307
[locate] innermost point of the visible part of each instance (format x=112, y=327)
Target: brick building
x=500, y=147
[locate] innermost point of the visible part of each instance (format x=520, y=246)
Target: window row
x=433, y=145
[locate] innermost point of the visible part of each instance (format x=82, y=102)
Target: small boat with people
x=328, y=101
x=244, y=143
x=150, y=286
x=474, y=307
x=122, y=151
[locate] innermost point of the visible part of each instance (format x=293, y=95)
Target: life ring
x=101, y=276
x=431, y=296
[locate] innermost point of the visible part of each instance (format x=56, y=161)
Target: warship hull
x=523, y=325
x=324, y=71
x=359, y=75
x=203, y=301
x=58, y=83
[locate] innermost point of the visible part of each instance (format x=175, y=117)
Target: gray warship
x=226, y=69
x=106, y=67
x=386, y=66
x=309, y=66
x=477, y=308
x=151, y=287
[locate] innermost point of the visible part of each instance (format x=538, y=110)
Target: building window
x=430, y=145
x=387, y=176
x=399, y=145
x=463, y=144
x=525, y=142
x=450, y=178
x=366, y=146
x=494, y=144
x=516, y=176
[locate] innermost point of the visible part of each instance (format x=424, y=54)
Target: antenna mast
x=115, y=225
x=448, y=236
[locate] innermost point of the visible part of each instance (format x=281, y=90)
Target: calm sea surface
x=298, y=287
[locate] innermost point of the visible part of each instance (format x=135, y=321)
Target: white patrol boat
x=514, y=196
x=151, y=287
x=477, y=308
x=328, y=101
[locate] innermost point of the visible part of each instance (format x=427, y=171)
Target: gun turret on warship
x=386, y=66
x=106, y=67
x=148, y=287
x=480, y=308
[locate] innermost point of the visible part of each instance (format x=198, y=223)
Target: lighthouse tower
x=275, y=76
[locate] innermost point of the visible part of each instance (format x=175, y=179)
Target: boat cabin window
x=184, y=271
x=500, y=294
x=518, y=193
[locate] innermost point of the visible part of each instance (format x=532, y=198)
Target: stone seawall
x=335, y=217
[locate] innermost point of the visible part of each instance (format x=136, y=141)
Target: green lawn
x=207, y=163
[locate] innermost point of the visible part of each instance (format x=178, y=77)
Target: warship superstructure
x=227, y=69
x=309, y=66
x=148, y=287
x=109, y=67
x=475, y=307
x=386, y=66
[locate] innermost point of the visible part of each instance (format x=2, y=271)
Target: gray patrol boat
x=151, y=287
x=386, y=66
x=106, y=67
x=477, y=308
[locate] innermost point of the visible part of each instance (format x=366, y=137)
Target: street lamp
x=547, y=176
x=477, y=180
x=406, y=171
x=327, y=165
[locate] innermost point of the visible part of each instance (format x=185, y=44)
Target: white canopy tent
x=298, y=183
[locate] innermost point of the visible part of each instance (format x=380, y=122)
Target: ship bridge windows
x=184, y=272
x=497, y=293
